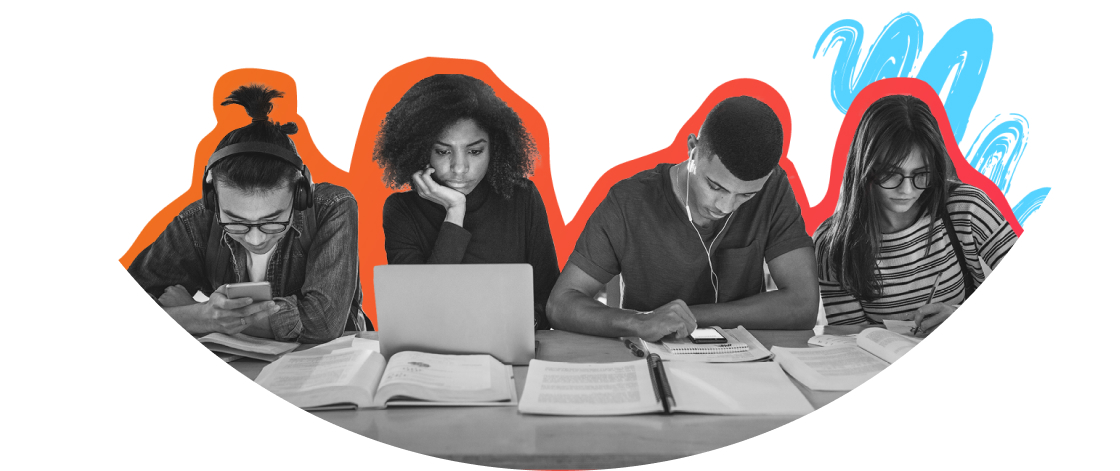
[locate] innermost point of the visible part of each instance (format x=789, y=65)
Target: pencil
x=932, y=292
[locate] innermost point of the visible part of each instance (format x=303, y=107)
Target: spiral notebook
x=741, y=347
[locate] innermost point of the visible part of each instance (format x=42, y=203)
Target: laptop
x=456, y=309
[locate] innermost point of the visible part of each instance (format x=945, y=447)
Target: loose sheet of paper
x=301, y=373
x=341, y=343
x=442, y=372
x=903, y=328
x=828, y=340
x=250, y=344
x=588, y=389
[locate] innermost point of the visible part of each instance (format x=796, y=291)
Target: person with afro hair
x=466, y=157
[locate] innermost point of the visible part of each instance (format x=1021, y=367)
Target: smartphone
x=706, y=335
x=258, y=290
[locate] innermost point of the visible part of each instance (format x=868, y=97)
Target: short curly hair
x=411, y=128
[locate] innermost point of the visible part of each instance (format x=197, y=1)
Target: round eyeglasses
x=892, y=180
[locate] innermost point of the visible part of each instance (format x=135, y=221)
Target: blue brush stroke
x=1029, y=204
x=962, y=54
x=998, y=148
x=892, y=55
x=968, y=48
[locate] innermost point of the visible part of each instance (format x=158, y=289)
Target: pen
x=634, y=348
x=932, y=292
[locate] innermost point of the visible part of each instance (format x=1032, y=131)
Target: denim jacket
x=318, y=292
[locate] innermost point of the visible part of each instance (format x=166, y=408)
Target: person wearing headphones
x=689, y=240
x=260, y=219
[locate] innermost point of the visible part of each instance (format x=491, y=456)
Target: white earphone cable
x=714, y=278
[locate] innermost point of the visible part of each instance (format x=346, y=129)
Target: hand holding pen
x=928, y=317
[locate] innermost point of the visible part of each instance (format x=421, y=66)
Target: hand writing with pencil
x=928, y=317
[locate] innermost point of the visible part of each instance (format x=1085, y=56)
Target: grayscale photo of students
x=261, y=219
x=466, y=157
x=886, y=252
x=689, y=240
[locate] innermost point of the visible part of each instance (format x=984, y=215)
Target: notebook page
x=588, y=389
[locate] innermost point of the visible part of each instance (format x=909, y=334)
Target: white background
x=104, y=106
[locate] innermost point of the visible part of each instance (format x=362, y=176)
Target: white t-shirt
x=258, y=264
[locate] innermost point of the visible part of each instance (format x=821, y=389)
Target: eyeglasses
x=238, y=228
x=892, y=180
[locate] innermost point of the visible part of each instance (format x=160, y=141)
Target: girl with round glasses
x=907, y=241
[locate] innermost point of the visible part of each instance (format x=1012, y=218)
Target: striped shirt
x=907, y=271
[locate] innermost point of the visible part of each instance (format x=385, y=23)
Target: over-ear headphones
x=303, y=195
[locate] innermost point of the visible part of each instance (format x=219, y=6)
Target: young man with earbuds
x=689, y=240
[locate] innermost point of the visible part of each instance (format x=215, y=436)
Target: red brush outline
x=365, y=178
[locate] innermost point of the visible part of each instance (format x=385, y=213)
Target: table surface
x=502, y=437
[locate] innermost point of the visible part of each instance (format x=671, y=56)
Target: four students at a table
x=688, y=241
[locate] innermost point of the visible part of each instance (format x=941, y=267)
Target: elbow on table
x=552, y=310
x=804, y=318
x=803, y=314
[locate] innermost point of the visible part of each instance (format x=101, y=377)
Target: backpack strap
x=969, y=283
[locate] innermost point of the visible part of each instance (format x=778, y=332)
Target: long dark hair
x=889, y=130
x=256, y=171
x=412, y=126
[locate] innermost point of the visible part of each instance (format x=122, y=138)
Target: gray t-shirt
x=641, y=231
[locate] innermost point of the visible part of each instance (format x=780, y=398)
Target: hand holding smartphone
x=257, y=290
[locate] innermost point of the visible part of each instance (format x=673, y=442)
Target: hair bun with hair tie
x=260, y=118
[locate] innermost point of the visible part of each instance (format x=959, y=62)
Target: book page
x=588, y=389
x=739, y=388
x=836, y=368
x=293, y=373
x=443, y=372
x=414, y=378
x=884, y=343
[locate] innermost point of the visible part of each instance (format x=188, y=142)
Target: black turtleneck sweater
x=495, y=230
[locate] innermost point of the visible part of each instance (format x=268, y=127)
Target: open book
x=651, y=386
x=842, y=367
x=359, y=377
